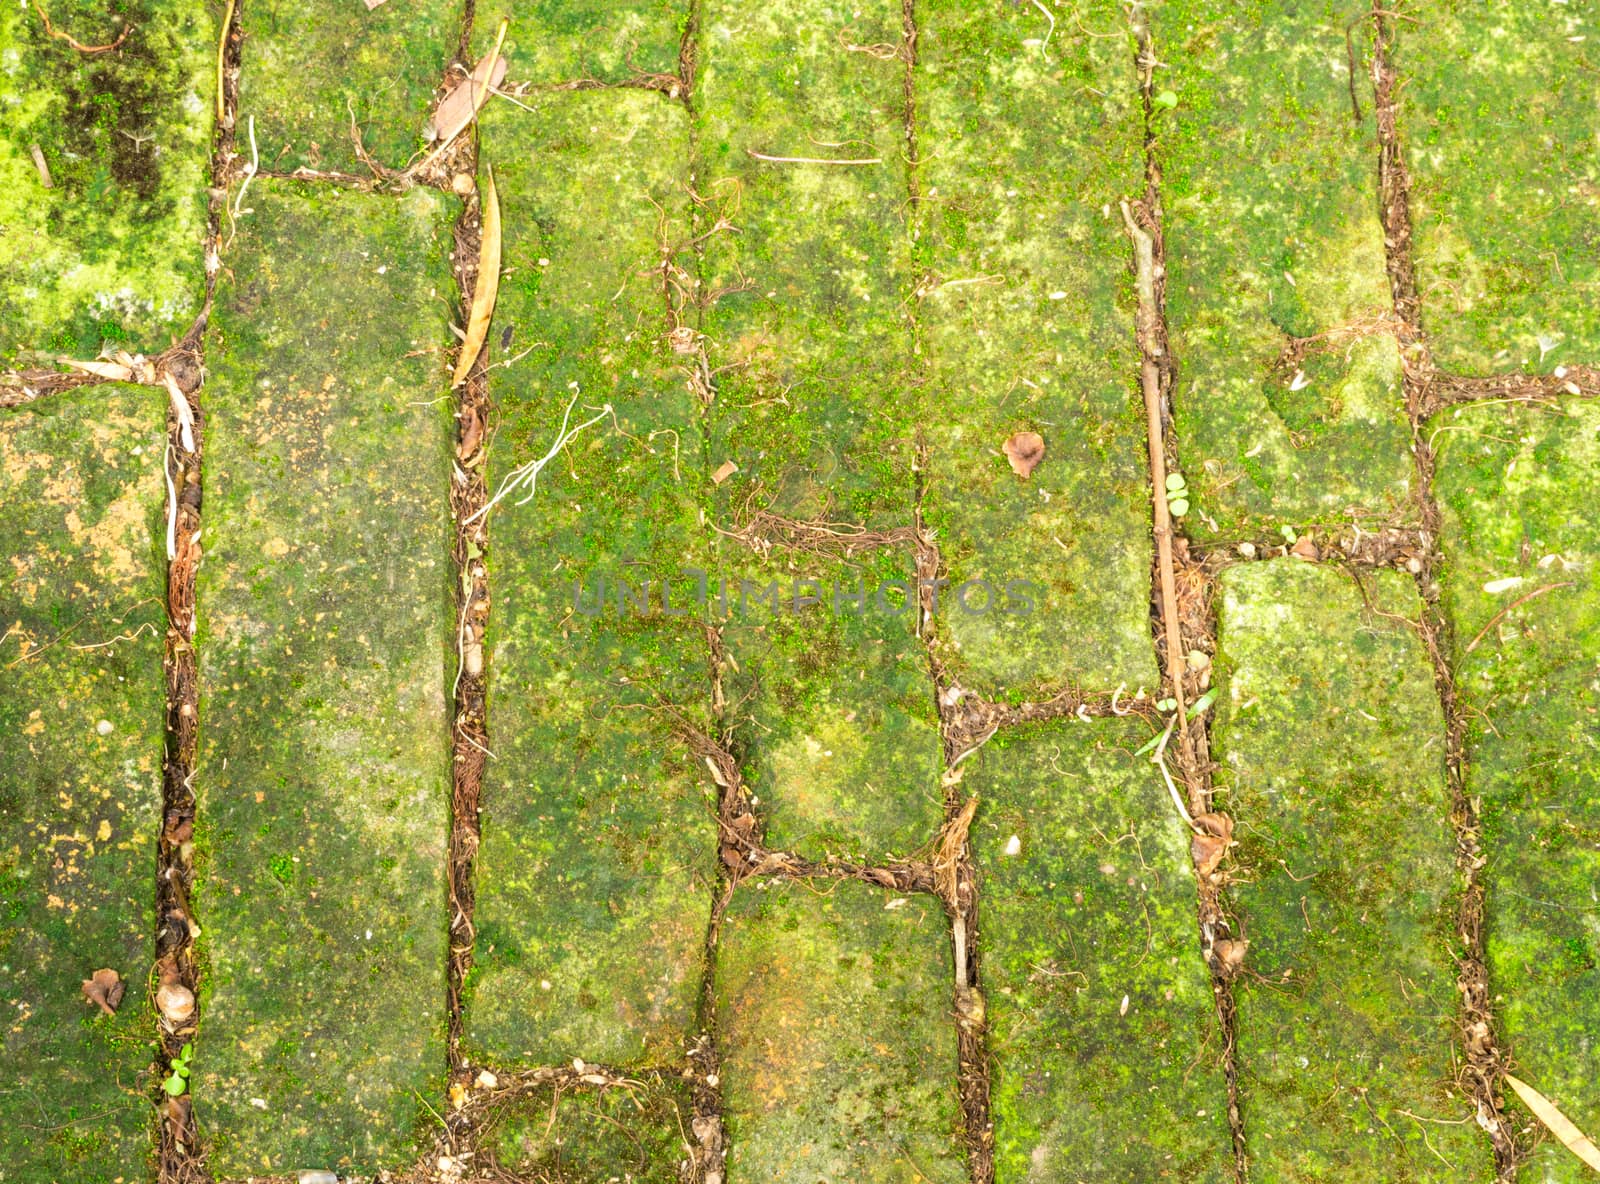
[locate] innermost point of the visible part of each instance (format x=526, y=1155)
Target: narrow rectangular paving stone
x=832, y=704
x=1288, y=395
x=810, y=351
x=311, y=68
x=81, y=729
x=1331, y=743
x=592, y=41
x=1107, y=1051
x=102, y=245
x=838, y=1049
x=325, y=618
x=638, y=1133
x=599, y=829
x=1024, y=308
x=1498, y=120
x=1518, y=487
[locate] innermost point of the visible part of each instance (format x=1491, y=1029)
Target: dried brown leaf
x=1207, y=851
x=487, y=287
x=1024, y=450
x=1229, y=955
x=105, y=989
x=1305, y=547
x=1559, y=1124
x=725, y=470
x=463, y=99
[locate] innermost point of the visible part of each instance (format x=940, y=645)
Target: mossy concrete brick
x=1274, y=246
x=81, y=729
x=594, y=41
x=109, y=251
x=1107, y=1053
x=324, y=622
x=1029, y=136
x=1331, y=744
x=831, y=704
x=1497, y=117
x=838, y=1047
x=311, y=68
x=1518, y=487
x=806, y=332
x=637, y=1133
x=598, y=857
x=802, y=141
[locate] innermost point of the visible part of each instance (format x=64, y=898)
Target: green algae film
x=311, y=69
x=80, y=776
x=599, y=829
x=325, y=616
x=1288, y=395
x=834, y=1029
x=1498, y=120
x=1518, y=486
x=109, y=252
x=1330, y=739
x=1023, y=304
x=1107, y=1054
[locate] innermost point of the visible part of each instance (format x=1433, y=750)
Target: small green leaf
x=1175, y=481
x=175, y=1085
x=1179, y=507
x=1166, y=99
x=1200, y=704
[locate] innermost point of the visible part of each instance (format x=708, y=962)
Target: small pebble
x=105, y=727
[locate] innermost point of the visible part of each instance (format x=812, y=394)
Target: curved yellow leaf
x=1560, y=1125
x=487, y=286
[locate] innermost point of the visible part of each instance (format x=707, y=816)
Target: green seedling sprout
x=178, y=1082
x=1177, y=495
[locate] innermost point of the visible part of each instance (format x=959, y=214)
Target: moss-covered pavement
x=753, y=723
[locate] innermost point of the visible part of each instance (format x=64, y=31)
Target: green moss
x=1025, y=323
x=1497, y=117
x=599, y=833
x=1518, y=486
x=312, y=67
x=111, y=252
x=1272, y=234
x=1330, y=741
x=80, y=775
x=1106, y=1054
x=324, y=617
x=635, y=1134
x=832, y=709
x=838, y=1056
x=599, y=40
